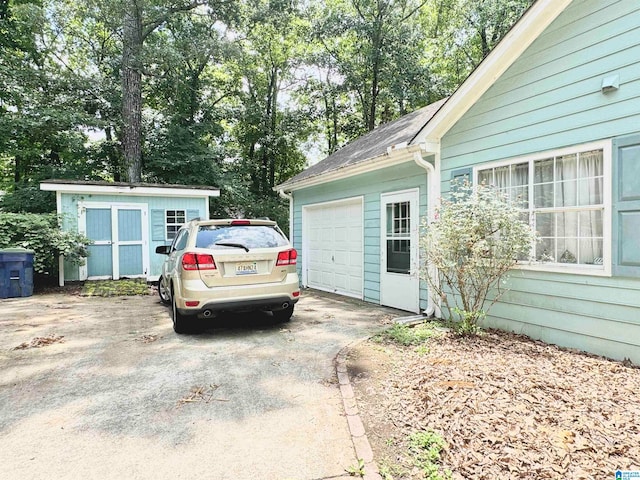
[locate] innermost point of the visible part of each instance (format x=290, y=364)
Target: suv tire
x=181, y=323
x=163, y=292
x=283, y=315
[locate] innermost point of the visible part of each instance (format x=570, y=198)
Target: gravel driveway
x=116, y=394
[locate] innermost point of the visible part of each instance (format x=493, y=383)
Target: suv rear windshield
x=249, y=236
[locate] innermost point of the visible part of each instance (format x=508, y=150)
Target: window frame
x=603, y=270
x=167, y=224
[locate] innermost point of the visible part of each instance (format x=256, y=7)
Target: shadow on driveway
x=123, y=396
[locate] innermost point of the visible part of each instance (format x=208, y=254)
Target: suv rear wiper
x=231, y=244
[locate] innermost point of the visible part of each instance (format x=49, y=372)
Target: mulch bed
x=508, y=407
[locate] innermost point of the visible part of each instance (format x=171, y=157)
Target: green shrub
x=410, y=335
x=42, y=234
x=477, y=236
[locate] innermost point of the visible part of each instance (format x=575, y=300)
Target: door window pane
x=398, y=245
x=398, y=256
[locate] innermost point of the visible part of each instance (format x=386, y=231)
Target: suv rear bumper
x=272, y=303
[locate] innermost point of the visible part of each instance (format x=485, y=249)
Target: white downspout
x=288, y=196
x=433, y=306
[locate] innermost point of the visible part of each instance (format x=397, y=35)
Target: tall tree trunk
x=112, y=155
x=132, y=92
x=273, y=127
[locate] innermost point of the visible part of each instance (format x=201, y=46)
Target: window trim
x=604, y=270
x=166, y=223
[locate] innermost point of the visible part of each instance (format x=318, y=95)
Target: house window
x=562, y=196
x=174, y=219
x=398, y=237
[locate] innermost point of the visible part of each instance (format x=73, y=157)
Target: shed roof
x=125, y=188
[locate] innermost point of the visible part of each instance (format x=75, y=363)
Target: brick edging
x=356, y=427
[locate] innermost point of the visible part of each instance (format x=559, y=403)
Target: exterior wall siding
x=370, y=186
x=549, y=99
x=70, y=221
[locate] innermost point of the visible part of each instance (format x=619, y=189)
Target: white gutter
x=433, y=194
x=288, y=196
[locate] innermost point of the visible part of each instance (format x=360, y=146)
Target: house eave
x=393, y=156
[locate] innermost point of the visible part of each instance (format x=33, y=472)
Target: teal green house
x=126, y=222
x=552, y=115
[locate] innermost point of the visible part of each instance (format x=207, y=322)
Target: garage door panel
x=341, y=234
x=335, y=247
x=341, y=282
x=355, y=261
x=341, y=259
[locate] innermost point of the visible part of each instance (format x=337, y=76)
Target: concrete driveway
x=123, y=397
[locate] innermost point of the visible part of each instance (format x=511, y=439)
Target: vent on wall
x=610, y=83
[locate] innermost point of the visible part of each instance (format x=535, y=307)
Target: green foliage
x=409, y=335
x=426, y=448
x=28, y=198
x=115, y=288
x=469, y=322
x=356, y=470
x=42, y=234
x=477, y=237
x=234, y=94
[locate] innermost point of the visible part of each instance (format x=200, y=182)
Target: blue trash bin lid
x=17, y=250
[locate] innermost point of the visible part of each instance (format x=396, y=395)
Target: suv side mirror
x=163, y=249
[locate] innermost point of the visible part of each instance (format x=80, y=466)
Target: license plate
x=246, y=268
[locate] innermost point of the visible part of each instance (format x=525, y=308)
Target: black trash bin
x=16, y=272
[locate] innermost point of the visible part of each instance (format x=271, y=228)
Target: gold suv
x=228, y=265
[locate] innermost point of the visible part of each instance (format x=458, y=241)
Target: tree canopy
x=238, y=94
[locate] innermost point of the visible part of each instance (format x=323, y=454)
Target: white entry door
x=399, y=269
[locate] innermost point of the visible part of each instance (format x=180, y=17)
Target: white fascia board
x=396, y=156
x=518, y=39
x=128, y=190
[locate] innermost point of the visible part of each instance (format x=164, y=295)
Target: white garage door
x=333, y=254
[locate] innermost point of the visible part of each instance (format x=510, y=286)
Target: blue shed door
x=120, y=241
x=100, y=260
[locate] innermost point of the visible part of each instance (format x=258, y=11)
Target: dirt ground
x=507, y=408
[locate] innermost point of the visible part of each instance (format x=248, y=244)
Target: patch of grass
x=115, y=288
x=425, y=448
x=409, y=335
x=356, y=470
x=390, y=471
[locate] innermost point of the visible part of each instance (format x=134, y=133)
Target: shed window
x=174, y=219
x=562, y=196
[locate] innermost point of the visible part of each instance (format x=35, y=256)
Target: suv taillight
x=288, y=257
x=198, y=261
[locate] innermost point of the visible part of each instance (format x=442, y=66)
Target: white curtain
x=578, y=182
x=590, y=184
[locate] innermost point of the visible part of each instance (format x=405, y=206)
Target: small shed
x=126, y=222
